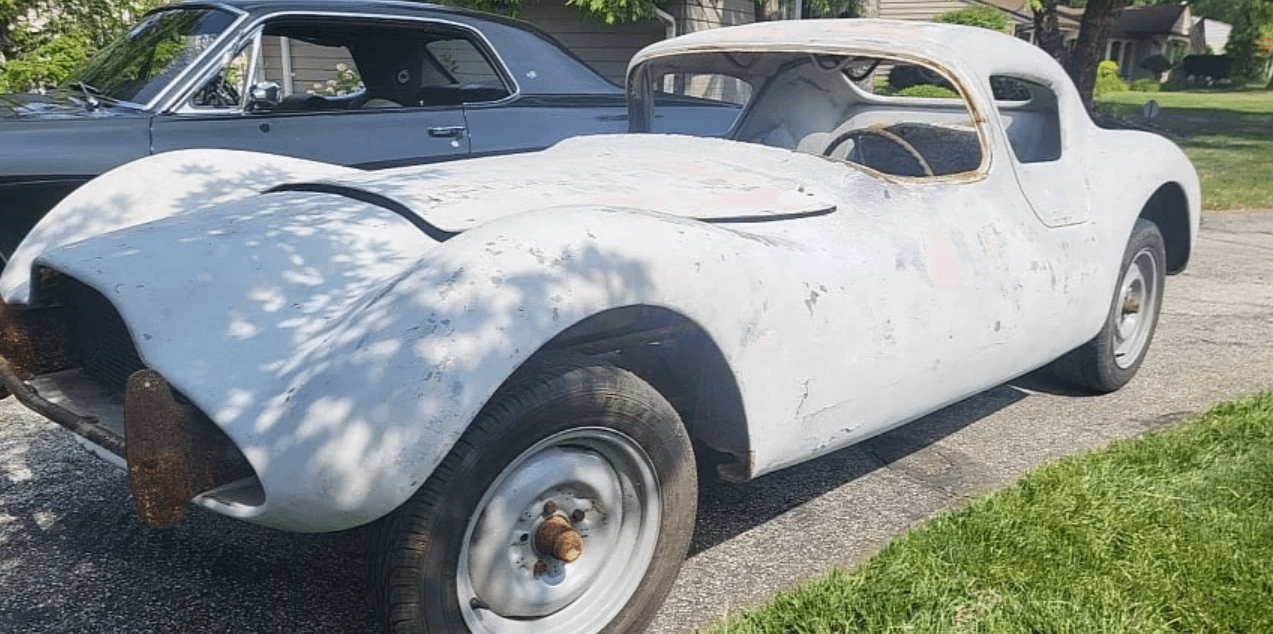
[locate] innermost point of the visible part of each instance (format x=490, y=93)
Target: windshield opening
x=886, y=114
x=137, y=67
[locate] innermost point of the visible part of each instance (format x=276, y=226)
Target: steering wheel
x=220, y=93
x=853, y=135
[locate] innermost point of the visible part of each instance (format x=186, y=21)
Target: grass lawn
x=1227, y=135
x=1171, y=532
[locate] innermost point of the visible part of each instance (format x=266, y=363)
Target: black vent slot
x=105, y=347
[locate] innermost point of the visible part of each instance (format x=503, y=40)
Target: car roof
x=973, y=49
x=400, y=7
x=524, y=49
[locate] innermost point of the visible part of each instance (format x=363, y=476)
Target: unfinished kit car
x=513, y=367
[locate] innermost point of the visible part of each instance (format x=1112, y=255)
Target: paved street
x=73, y=559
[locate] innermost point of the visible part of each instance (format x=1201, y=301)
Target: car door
x=371, y=139
x=349, y=92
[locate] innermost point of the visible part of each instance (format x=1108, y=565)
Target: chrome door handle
x=447, y=131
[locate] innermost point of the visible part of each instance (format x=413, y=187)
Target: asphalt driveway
x=73, y=559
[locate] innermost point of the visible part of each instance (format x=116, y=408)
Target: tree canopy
x=42, y=42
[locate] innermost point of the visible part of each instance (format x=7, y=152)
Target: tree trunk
x=1090, y=48
x=1047, y=31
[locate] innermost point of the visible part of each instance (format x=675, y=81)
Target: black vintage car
x=366, y=83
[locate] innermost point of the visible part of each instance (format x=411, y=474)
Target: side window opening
x=1030, y=117
x=706, y=103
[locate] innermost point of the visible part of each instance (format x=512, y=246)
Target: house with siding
x=1141, y=33
x=608, y=47
x=925, y=10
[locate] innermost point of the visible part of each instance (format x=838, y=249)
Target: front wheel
x=566, y=508
x=1111, y=359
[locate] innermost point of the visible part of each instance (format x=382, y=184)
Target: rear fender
x=1124, y=195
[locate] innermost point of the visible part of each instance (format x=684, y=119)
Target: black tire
x=610, y=453
x=1111, y=359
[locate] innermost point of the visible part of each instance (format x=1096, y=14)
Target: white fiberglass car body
x=521, y=358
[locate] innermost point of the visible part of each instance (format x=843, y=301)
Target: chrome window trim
x=177, y=85
x=186, y=107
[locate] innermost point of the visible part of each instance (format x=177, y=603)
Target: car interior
x=893, y=117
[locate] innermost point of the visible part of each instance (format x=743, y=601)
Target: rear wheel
x=567, y=507
x=1111, y=359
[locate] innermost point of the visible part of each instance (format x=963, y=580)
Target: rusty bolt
x=576, y=516
x=540, y=568
x=557, y=538
x=550, y=507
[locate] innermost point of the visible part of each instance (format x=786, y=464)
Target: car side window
x=464, y=62
x=707, y=104
x=303, y=67
x=364, y=65
x=1030, y=117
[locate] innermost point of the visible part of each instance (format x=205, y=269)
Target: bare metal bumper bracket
x=85, y=426
x=168, y=462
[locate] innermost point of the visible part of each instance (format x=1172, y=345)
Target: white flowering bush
x=345, y=82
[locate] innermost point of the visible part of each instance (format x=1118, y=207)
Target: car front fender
x=150, y=188
x=407, y=372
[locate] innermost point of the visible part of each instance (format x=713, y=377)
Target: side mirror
x=265, y=96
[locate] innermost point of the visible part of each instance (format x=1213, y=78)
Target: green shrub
x=48, y=64
x=1107, y=79
x=927, y=90
x=980, y=15
x=1146, y=85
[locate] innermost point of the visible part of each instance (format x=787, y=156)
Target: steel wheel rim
x=1135, y=310
x=599, y=471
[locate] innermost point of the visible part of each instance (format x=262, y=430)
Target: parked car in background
x=368, y=83
x=513, y=367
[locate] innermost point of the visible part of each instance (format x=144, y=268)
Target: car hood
x=58, y=104
x=704, y=179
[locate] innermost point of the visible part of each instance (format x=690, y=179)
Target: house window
x=1123, y=53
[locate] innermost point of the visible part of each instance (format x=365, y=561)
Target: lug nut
x=550, y=507
x=540, y=568
x=576, y=516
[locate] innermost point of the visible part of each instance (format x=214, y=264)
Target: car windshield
x=137, y=67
